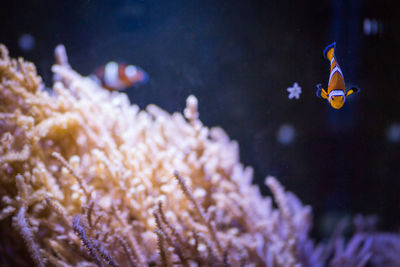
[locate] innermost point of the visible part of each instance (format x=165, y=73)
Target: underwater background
x=238, y=58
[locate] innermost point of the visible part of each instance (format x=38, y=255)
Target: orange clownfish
x=119, y=76
x=336, y=93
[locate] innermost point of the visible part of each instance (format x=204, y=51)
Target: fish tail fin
x=145, y=77
x=329, y=51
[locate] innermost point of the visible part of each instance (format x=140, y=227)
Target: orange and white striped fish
x=119, y=76
x=336, y=93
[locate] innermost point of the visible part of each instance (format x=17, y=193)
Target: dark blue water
x=238, y=58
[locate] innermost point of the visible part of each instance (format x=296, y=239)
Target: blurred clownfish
x=119, y=76
x=336, y=93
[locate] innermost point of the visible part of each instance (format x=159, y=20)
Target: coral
x=88, y=179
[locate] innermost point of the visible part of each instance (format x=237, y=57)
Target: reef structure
x=88, y=179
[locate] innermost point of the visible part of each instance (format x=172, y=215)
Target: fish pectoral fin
x=352, y=91
x=324, y=94
x=321, y=93
x=319, y=90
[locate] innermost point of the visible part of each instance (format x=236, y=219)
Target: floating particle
x=393, y=133
x=294, y=91
x=26, y=42
x=286, y=134
x=372, y=26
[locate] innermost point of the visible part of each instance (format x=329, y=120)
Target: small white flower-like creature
x=294, y=91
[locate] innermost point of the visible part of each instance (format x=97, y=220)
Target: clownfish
x=119, y=76
x=336, y=93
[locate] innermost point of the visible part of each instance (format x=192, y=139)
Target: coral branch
x=282, y=201
x=132, y=256
x=178, y=235
x=61, y=55
x=6, y=212
x=169, y=240
x=80, y=231
x=58, y=210
x=72, y=171
x=20, y=223
x=280, y=197
x=12, y=156
x=22, y=187
x=212, y=255
x=89, y=213
x=161, y=249
x=200, y=212
x=104, y=253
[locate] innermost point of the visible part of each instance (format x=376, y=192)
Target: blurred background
x=238, y=58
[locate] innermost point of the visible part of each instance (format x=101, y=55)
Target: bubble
x=393, y=133
x=26, y=42
x=286, y=134
x=372, y=26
